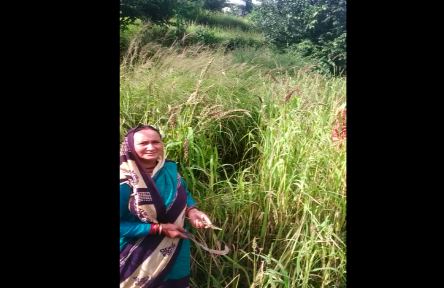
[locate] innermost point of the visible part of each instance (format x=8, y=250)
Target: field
x=251, y=133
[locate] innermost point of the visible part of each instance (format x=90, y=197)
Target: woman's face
x=148, y=145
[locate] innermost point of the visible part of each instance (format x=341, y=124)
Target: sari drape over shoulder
x=146, y=261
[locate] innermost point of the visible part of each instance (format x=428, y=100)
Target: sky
x=240, y=2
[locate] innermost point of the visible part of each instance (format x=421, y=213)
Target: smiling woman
x=148, y=146
x=154, y=244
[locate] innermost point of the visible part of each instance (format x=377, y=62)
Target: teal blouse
x=130, y=225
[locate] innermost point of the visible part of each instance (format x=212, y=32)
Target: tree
x=314, y=27
x=157, y=11
x=248, y=5
x=214, y=5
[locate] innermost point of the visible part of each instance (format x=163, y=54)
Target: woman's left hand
x=196, y=217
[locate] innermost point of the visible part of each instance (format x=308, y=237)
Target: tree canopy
x=214, y=5
x=313, y=27
x=157, y=11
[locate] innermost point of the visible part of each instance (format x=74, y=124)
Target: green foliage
x=248, y=5
x=214, y=5
x=225, y=21
x=156, y=11
x=234, y=10
x=240, y=42
x=267, y=59
x=251, y=130
x=190, y=10
x=316, y=27
x=182, y=36
x=306, y=48
x=180, y=28
x=205, y=36
x=257, y=156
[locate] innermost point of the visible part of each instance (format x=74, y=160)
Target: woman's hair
x=148, y=127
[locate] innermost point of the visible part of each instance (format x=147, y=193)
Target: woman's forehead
x=146, y=135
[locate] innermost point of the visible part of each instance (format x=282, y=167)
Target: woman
x=153, y=204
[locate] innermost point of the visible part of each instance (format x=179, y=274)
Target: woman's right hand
x=173, y=231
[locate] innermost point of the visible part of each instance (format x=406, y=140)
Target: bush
x=305, y=48
x=239, y=42
x=205, y=36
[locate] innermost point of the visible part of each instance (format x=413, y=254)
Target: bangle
x=190, y=208
x=160, y=229
x=155, y=228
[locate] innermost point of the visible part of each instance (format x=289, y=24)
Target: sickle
x=218, y=252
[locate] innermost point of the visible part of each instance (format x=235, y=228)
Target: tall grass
x=216, y=34
x=226, y=21
x=254, y=146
